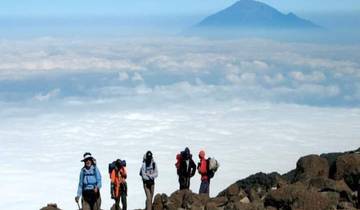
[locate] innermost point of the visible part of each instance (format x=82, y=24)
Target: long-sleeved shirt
x=202, y=169
x=149, y=172
x=89, y=179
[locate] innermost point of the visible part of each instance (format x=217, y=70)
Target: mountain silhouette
x=254, y=14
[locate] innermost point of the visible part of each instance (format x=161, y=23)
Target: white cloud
x=123, y=76
x=227, y=130
x=260, y=67
x=47, y=96
x=137, y=77
x=313, y=77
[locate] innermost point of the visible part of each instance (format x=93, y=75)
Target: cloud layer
x=240, y=69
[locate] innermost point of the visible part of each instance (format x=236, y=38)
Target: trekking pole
x=78, y=205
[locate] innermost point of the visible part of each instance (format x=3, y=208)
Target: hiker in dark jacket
x=148, y=173
x=186, y=170
x=89, y=184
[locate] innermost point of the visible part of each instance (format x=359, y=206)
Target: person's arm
x=155, y=172
x=123, y=173
x=193, y=167
x=144, y=175
x=81, y=182
x=98, y=178
x=112, y=176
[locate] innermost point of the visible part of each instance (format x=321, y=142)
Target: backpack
x=212, y=167
x=178, y=161
x=112, y=166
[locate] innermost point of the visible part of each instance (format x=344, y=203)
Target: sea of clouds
x=254, y=104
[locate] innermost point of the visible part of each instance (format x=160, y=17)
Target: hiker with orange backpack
x=186, y=168
x=118, y=175
x=89, y=184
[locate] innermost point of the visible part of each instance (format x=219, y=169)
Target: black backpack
x=112, y=166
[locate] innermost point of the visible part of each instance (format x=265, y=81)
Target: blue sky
x=158, y=7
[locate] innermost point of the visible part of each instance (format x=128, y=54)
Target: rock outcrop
x=325, y=182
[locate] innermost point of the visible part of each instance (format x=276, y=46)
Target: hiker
x=148, y=173
x=186, y=168
x=358, y=193
x=203, y=171
x=118, y=176
x=89, y=184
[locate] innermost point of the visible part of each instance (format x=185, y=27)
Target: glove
x=77, y=199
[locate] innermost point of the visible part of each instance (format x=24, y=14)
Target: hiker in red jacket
x=203, y=171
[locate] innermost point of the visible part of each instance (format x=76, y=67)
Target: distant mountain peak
x=254, y=14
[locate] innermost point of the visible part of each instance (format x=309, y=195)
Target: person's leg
x=123, y=201
x=117, y=204
x=202, y=187
x=97, y=204
x=183, y=183
x=358, y=194
x=85, y=205
x=187, y=183
x=148, y=195
x=151, y=193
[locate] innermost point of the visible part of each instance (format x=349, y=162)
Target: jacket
x=149, y=173
x=89, y=179
x=118, y=177
x=202, y=169
x=187, y=168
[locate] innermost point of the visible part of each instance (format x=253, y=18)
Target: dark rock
x=177, y=197
x=259, y=181
x=348, y=168
x=232, y=190
x=329, y=185
x=333, y=197
x=244, y=206
x=158, y=203
x=211, y=206
x=218, y=201
x=50, y=206
x=253, y=196
x=311, y=166
x=297, y=196
x=289, y=176
x=346, y=205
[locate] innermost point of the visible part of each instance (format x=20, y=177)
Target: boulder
x=218, y=201
x=348, y=168
x=311, y=166
x=297, y=196
x=211, y=206
x=244, y=206
x=158, y=203
x=50, y=206
x=260, y=180
x=346, y=205
x=329, y=185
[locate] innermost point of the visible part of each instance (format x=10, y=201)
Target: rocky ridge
x=319, y=182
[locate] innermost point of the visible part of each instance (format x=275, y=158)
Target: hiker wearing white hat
x=89, y=184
